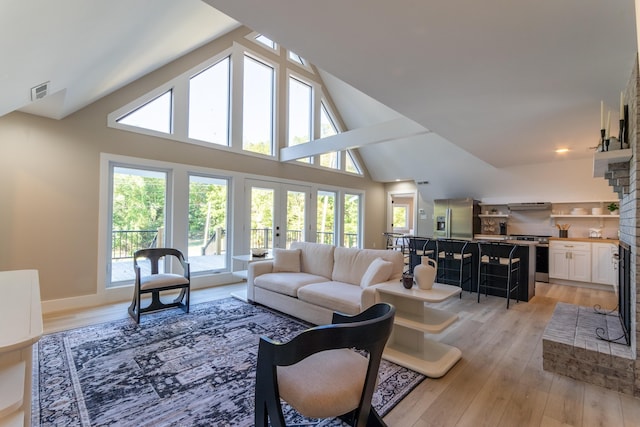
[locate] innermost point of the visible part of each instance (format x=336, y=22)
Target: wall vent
x=40, y=91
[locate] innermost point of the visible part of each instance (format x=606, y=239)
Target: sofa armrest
x=255, y=269
x=371, y=296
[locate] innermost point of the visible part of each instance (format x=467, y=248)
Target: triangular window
x=154, y=115
x=265, y=41
x=296, y=58
x=328, y=128
x=351, y=165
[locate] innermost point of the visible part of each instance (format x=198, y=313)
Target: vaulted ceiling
x=497, y=84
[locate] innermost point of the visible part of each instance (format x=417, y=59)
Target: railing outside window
x=126, y=242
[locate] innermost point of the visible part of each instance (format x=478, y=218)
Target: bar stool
x=455, y=261
x=498, y=269
x=419, y=247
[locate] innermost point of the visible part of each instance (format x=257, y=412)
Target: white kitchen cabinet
x=570, y=260
x=604, y=263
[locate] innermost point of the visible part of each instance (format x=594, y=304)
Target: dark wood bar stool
x=498, y=269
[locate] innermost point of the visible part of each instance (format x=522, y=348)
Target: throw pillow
x=377, y=272
x=286, y=260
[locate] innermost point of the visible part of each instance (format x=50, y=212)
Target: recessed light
x=562, y=150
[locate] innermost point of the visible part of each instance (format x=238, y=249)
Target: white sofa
x=311, y=280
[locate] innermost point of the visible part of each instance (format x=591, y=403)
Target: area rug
x=173, y=369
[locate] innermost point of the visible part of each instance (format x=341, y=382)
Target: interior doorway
x=401, y=213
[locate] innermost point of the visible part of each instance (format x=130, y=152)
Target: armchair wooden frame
x=157, y=282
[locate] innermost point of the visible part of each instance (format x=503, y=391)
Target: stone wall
x=630, y=214
x=570, y=344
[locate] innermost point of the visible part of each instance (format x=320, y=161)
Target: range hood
x=532, y=206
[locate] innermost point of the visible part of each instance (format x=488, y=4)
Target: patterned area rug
x=173, y=369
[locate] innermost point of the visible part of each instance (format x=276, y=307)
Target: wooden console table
x=20, y=329
x=408, y=346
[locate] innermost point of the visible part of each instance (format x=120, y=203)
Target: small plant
x=613, y=206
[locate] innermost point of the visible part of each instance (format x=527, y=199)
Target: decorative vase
x=425, y=273
x=407, y=280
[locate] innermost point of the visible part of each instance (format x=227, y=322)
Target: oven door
x=542, y=262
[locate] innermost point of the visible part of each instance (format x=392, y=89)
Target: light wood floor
x=498, y=383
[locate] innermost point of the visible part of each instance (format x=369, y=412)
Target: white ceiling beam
x=382, y=132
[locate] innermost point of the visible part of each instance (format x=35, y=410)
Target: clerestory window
x=209, y=104
x=300, y=108
x=232, y=101
x=258, y=100
x=154, y=115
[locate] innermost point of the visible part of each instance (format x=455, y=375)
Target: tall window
x=138, y=206
x=326, y=217
x=296, y=215
x=208, y=223
x=300, y=117
x=351, y=220
x=154, y=115
x=262, y=208
x=258, y=102
x=209, y=104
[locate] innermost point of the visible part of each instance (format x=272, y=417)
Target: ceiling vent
x=40, y=91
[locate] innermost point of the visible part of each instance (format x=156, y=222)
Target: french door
x=277, y=214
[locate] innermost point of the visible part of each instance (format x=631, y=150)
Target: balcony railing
x=262, y=238
x=125, y=242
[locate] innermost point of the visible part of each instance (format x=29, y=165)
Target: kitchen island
x=526, y=252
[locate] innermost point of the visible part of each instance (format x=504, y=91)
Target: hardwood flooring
x=498, y=383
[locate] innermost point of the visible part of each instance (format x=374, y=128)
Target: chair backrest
x=493, y=252
x=155, y=254
x=367, y=331
x=451, y=247
x=418, y=244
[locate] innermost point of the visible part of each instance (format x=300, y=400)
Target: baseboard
x=124, y=294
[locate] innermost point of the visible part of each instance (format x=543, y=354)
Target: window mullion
x=180, y=110
x=237, y=87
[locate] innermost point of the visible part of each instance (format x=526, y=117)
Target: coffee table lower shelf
x=431, y=358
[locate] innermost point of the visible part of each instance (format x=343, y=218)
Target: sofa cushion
x=377, y=272
x=315, y=258
x=336, y=296
x=286, y=260
x=286, y=283
x=350, y=264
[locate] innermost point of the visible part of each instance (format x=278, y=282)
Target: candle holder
x=602, y=133
x=606, y=144
x=621, y=134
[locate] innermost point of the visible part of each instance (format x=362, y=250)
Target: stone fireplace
x=571, y=345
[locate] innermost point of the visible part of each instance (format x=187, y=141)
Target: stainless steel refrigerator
x=456, y=218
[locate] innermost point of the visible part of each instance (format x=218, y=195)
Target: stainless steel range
x=542, y=254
